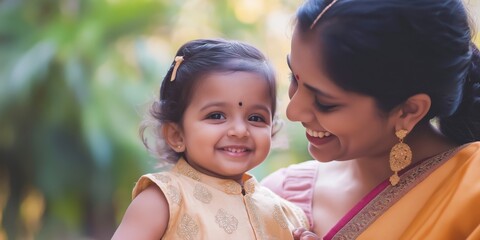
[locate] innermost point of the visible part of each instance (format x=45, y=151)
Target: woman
x=389, y=94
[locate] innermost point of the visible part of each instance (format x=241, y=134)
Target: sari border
x=390, y=195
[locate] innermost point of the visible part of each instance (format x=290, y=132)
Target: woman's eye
x=325, y=108
x=216, y=116
x=256, y=118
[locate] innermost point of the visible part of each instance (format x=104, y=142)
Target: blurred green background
x=76, y=77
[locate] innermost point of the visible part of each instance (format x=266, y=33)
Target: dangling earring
x=400, y=156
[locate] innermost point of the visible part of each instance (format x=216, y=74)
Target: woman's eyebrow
x=319, y=92
x=309, y=87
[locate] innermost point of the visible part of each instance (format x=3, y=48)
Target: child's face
x=228, y=125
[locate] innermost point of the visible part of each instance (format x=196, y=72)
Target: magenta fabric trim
x=365, y=201
x=359, y=206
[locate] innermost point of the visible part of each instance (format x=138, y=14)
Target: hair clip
x=178, y=61
x=321, y=13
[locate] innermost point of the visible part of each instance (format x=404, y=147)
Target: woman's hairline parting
x=321, y=14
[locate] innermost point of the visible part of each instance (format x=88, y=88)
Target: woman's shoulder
x=474, y=146
x=294, y=182
x=301, y=175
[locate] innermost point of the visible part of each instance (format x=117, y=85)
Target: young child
x=215, y=114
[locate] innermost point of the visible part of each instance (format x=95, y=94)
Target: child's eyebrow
x=262, y=107
x=214, y=104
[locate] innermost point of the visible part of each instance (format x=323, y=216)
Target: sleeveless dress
x=205, y=207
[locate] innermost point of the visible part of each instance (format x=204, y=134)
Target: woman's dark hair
x=393, y=49
x=201, y=57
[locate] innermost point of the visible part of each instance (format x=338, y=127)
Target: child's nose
x=239, y=129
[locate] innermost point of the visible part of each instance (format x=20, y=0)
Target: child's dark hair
x=393, y=49
x=201, y=57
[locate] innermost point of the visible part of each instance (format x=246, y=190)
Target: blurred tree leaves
x=75, y=79
x=64, y=138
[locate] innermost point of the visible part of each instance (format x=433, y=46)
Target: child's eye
x=216, y=116
x=256, y=118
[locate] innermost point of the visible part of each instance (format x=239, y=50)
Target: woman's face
x=340, y=125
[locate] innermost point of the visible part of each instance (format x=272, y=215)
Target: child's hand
x=304, y=234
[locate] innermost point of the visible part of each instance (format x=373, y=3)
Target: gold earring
x=177, y=148
x=400, y=156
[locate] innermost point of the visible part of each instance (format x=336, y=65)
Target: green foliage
x=68, y=107
x=75, y=79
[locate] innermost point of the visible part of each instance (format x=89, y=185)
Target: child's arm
x=146, y=216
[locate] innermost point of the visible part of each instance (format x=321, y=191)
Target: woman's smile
x=318, y=138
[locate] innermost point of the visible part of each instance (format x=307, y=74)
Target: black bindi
x=240, y=104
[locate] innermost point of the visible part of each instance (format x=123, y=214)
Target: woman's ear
x=412, y=111
x=174, y=136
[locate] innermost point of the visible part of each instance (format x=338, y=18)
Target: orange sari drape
x=437, y=199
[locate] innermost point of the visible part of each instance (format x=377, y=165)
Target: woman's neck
x=425, y=142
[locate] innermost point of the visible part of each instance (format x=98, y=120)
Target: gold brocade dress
x=205, y=207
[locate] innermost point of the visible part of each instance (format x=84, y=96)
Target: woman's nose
x=299, y=109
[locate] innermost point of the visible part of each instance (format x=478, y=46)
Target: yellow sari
x=436, y=199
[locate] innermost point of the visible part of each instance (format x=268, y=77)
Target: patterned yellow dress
x=205, y=207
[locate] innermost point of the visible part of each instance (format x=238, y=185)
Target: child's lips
x=235, y=150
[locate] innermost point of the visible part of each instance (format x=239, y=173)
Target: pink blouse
x=295, y=183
